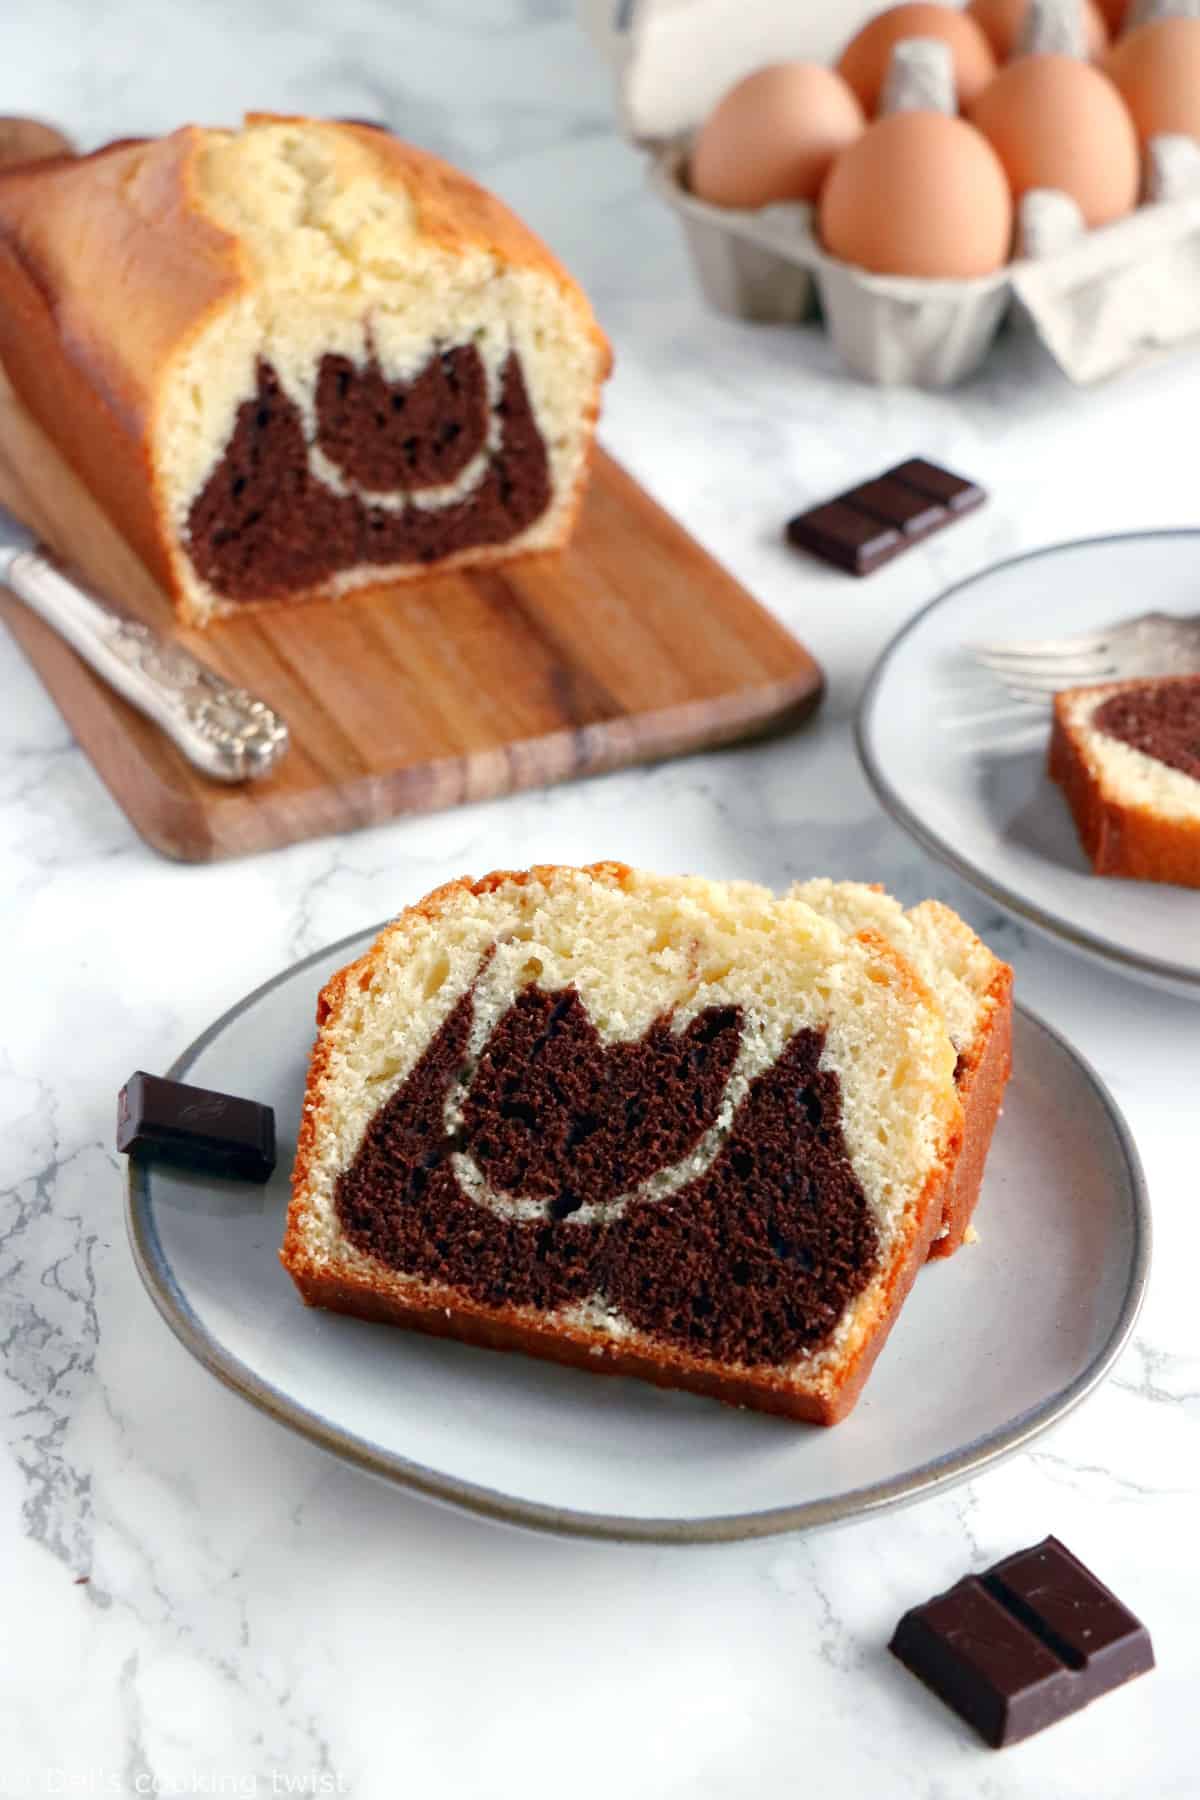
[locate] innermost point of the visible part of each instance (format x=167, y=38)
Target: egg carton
x=1101, y=301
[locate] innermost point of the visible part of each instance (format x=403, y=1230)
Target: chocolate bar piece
x=854, y=541
x=1024, y=1644
x=914, y=514
x=954, y=491
x=196, y=1128
x=865, y=527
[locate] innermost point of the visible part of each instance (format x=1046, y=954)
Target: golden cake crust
x=983, y=1072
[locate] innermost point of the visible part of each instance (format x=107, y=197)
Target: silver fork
x=1034, y=669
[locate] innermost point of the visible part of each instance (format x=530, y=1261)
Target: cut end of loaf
x=400, y=378
x=671, y=1127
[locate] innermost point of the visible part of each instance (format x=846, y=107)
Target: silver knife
x=221, y=729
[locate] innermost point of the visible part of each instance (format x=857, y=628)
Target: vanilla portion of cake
x=974, y=990
x=957, y=968
x=337, y=265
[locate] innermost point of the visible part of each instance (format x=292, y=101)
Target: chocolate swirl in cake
x=1161, y=721
x=406, y=435
x=265, y=523
x=613, y=1174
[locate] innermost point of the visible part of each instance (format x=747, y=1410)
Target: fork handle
x=222, y=730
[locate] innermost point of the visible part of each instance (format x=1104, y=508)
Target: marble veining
x=197, y=1603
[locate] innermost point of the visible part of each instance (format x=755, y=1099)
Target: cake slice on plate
x=973, y=989
x=1127, y=756
x=297, y=358
x=658, y=1126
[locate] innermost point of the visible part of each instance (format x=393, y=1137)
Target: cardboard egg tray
x=1105, y=302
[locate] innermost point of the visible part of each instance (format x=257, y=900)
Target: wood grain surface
x=633, y=644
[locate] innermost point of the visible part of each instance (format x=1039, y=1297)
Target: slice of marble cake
x=657, y=1126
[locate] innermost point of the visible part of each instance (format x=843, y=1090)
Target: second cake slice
x=974, y=990
x=1127, y=757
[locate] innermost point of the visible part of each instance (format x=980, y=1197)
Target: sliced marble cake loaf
x=973, y=989
x=297, y=358
x=658, y=1126
x=1127, y=756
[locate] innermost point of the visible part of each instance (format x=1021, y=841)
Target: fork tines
x=1084, y=645
x=1033, y=669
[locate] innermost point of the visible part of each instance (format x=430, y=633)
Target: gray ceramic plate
x=994, y=1345
x=965, y=772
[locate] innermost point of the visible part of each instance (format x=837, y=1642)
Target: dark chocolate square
x=982, y=1662
x=196, y=1128
x=953, y=491
x=912, y=513
x=1025, y=1644
x=852, y=540
x=1074, y=1613
x=864, y=528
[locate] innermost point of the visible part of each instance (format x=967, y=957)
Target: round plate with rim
x=1065, y=1243
x=963, y=768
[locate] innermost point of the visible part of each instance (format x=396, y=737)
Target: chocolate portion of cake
x=1162, y=721
x=264, y=524
x=554, y=1115
x=754, y=1258
x=384, y=435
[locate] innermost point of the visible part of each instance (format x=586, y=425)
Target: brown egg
x=918, y=194
x=28, y=140
x=774, y=136
x=1055, y=122
x=1114, y=14
x=1001, y=22
x=864, y=61
x=1157, y=69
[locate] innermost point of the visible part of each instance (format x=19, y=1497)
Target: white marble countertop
x=197, y=1602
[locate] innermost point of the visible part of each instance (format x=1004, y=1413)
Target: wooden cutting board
x=633, y=644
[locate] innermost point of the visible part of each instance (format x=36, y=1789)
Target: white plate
x=994, y=1344
x=965, y=772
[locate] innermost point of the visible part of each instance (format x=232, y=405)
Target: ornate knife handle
x=221, y=729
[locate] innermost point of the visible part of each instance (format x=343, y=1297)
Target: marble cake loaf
x=974, y=990
x=655, y=1126
x=1127, y=756
x=297, y=358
